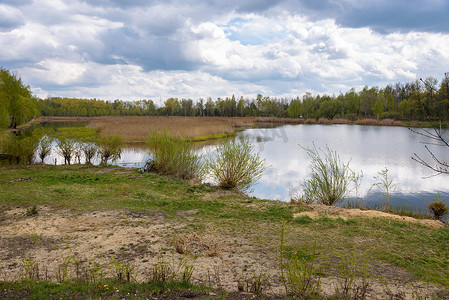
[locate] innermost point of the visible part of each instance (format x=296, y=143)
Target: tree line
x=417, y=100
x=17, y=104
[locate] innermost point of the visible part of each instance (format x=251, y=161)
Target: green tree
x=378, y=108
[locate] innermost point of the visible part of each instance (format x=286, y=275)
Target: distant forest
x=419, y=100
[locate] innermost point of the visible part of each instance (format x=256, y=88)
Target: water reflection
x=370, y=149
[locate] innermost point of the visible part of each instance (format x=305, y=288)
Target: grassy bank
x=99, y=213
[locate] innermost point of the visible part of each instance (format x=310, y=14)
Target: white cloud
x=200, y=49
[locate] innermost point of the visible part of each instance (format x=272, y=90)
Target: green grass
x=420, y=250
x=106, y=289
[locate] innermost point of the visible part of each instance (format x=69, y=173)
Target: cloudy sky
x=143, y=49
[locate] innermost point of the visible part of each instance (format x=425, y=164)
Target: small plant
x=301, y=274
x=256, y=283
x=122, y=270
x=31, y=268
x=330, y=179
x=386, y=186
x=235, y=165
x=438, y=208
x=354, y=275
x=32, y=211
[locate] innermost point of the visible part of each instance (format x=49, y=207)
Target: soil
x=52, y=237
x=318, y=210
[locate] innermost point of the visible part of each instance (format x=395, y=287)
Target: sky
x=143, y=49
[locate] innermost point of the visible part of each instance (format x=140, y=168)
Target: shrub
x=174, y=156
x=330, y=178
x=235, y=165
x=110, y=148
x=44, y=149
x=20, y=149
x=66, y=148
x=438, y=208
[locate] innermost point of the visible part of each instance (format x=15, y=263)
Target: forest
x=424, y=99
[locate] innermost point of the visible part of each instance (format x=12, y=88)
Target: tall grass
x=235, y=165
x=330, y=179
x=174, y=156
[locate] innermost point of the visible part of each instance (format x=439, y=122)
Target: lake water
x=369, y=149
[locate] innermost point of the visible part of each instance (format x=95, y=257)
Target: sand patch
x=347, y=213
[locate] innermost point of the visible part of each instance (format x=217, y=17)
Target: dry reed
x=310, y=121
x=323, y=121
x=339, y=121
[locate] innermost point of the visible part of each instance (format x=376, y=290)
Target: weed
x=32, y=211
x=30, y=268
x=438, y=208
x=386, y=186
x=257, y=283
x=122, y=270
x=301, y=274
x=354, y=275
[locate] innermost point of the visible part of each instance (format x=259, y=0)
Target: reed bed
x=374, y=122
x=136, y=129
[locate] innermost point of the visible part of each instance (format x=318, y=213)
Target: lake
x=369, y=149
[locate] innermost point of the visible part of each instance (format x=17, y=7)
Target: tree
x=378, y=108
x=436, y=137
x=110, y=148
x=17, y=105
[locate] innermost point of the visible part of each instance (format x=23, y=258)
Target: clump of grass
x=235, y=165
x=438, y=208
x=330, y=178
x=32, y=211
x=174, y=156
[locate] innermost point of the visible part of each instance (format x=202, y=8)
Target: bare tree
x=436, y=136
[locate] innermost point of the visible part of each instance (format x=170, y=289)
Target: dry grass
x=374, y=122
x=135, y=129
x=324, y=121
x=310, y=121
x=390, y=122
x=339, y=121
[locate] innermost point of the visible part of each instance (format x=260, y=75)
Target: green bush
x=438, y=208
x=110, y=148
x=330, y=179
x=174, y=156
x=235, y=165
x=20, y=148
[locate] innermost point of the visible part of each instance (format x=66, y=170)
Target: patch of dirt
x=347, y=213
x=142, y=240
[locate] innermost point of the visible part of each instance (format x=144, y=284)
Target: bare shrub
x=235, y=165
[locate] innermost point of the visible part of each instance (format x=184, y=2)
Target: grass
x=421, y=251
